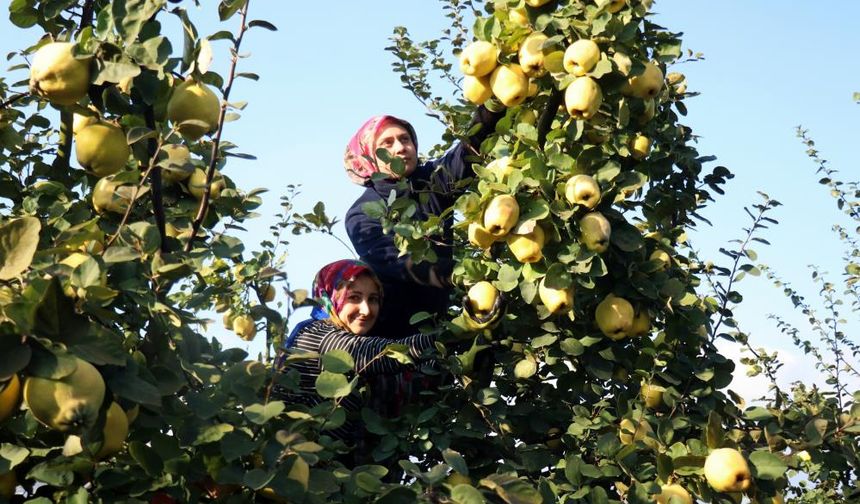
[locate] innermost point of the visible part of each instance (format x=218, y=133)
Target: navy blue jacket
x=406, y=289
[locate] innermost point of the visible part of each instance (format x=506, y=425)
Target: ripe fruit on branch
x=726, y=470
x=113, y=435
x=501, y=215
x=177, y=166
x=193, y=101
x=67, y=404
x=640, y=147
x=652, y=394
x=10, y=397
x=530, y=55
x=477, y=89
x=81, y=121
x=269, y=293
x=646, y=84
x=480, y=237
x=244, y=327
x=641, y=323
x=518, y=16
x=509, y=84
x=583, y=98
x=581, y=57
x=101, y=148
x=483, y=298
x=676, y=492
x=112, y=196
x=527, y=247
x=595, y=231
x=614, y=317
x=57, y=75
x=478, y=58
x=555, y=300
x=662, y=257
x=197, y=184
x=582, y=190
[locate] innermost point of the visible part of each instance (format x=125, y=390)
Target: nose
x=364, y=308
x=399, y=147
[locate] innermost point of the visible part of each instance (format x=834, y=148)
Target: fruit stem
x=202, y=210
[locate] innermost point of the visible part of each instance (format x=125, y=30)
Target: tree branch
x=210, y=173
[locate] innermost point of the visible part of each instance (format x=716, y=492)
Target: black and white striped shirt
x=322, y=336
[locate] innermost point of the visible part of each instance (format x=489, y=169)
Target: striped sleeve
x=363, y=349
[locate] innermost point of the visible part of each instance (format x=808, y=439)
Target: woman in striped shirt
x=348, y=296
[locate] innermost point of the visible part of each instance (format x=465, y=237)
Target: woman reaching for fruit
x=410, y=287
x=349, y=297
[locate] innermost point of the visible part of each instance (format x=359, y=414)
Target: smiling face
x=397, y=141
x=360, y=305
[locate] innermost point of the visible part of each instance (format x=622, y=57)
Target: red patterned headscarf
x=360, y=156
x=328, y=288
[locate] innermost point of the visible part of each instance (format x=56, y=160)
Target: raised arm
x=452, y=167
x=379, y=251
x=365, y=348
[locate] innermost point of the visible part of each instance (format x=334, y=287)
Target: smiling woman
x=349, y=297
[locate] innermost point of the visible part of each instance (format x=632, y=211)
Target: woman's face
x=396, y=139
x=361, y=305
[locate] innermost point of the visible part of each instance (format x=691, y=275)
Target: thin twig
x=210, y=173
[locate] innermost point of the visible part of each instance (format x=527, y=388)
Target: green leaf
x=11, y=455
x=262, y=24
x=18, y=241
x=147, y=458
x=456, y=461
x=262, y=413
x=227, y=8
x=767, y=465
x=337, y=361
x=212, y=433
x=332, y=385
x=572, y=347
x=714, y=434
x=130, y=15
x=626, y=237
x=534, y=209
x=257, y=478
x=758, y=414
x=508, y=278
x=466, y=494
x=237, y=444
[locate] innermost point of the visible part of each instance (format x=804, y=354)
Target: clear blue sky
x=769, y=66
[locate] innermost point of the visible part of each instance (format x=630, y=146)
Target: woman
x=410, y=287
x=349, y=296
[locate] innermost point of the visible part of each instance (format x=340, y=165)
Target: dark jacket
x=406, y=288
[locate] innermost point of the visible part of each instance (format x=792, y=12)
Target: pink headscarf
x=360, y=156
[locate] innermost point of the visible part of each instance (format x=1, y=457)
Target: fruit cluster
x=74, y=404
x=520, y=66
x=102, y=146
